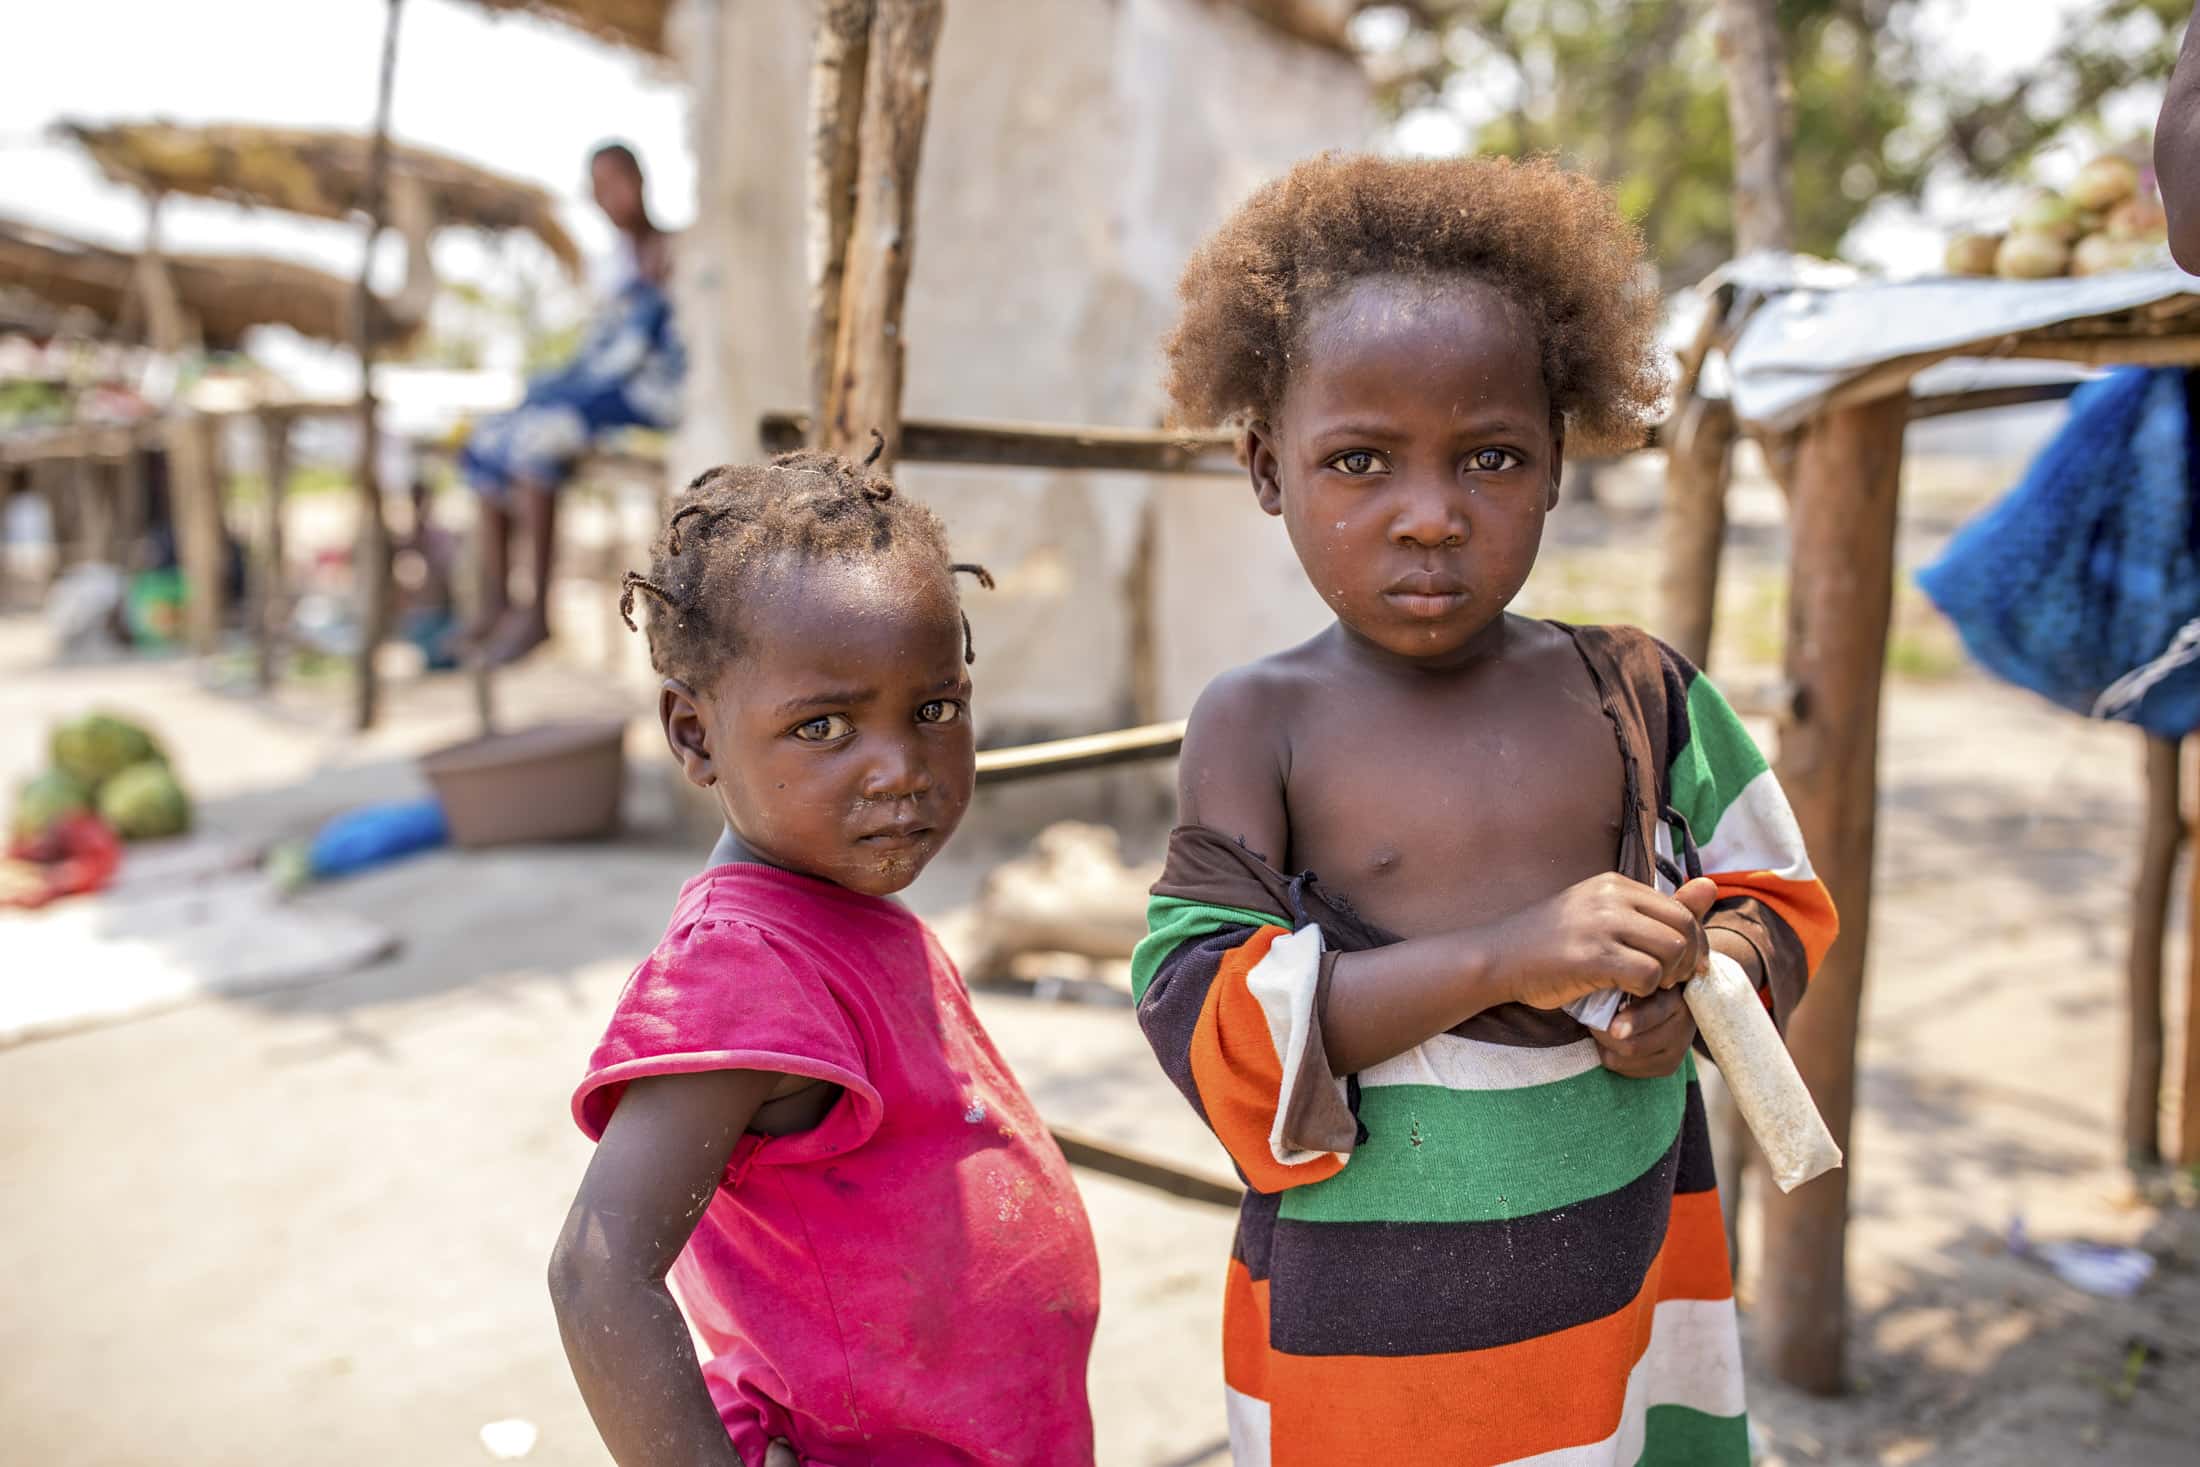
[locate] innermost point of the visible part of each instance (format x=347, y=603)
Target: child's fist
x=1606, y=932
x=1648, y=1037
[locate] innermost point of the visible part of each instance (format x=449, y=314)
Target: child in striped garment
x=1477, y=1232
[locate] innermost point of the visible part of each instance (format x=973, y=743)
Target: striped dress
x=1488, y=1249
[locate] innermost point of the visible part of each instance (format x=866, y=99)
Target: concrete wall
x=1077, y=150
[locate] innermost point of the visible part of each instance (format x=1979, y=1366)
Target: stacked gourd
x=2108, y=219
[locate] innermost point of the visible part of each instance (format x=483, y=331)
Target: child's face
x=1413, y=460
x=838, y=739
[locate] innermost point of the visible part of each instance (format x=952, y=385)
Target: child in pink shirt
x=798, y=1118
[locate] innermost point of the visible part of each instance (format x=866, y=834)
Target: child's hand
x=1649, y=1036
x=1606, y=932
x=780, y=1454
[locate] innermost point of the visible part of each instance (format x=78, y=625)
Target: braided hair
x=730, y=518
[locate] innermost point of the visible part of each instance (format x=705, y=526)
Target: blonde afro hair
x=1552, y=240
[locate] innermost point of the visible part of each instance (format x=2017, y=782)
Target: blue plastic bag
x=376, y=834
x=2088, y=571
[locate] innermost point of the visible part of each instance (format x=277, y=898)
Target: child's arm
x=655, y=1169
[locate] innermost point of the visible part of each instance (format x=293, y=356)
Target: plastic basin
x=552, y=782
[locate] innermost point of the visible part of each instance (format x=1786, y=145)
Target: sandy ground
x=309, y=1226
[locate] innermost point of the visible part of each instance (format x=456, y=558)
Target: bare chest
x=1437, y=814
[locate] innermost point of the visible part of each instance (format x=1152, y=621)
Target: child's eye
x=940, y=710
x=824, y=729
x=1358, y=461
x=1494, y=460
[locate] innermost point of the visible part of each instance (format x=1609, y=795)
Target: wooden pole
x=1697, y=467
x=373, y=561
x=267, y=592
x=864, y=395
x=1750, y=54
x=1848, y=479
x=1083, y=752
x=2164, y=832
x=836, y=110
x=194, y=498
x=2188, y=1101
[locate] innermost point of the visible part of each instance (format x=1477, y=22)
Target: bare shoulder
x=1237, y=750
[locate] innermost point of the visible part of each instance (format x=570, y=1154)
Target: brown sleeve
x=1781, y=971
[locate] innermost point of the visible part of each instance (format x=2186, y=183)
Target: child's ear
x=1262, y=464
x=686, y=733
x=1558, y=458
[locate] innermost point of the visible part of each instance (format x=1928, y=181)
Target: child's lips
x=897, y=838
x=1426, y=596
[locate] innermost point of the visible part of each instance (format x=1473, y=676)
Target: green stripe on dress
x=1681, y=1436
x=1434, y=1155
x=1718, y=762
x=1172, y=921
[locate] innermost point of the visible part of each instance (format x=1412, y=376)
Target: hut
x=51, y=276
x=320, y=174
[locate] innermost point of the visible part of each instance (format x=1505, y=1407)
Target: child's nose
x=900, y=773
x=1429, y=517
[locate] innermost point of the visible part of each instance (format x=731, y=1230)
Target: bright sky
x=523, y=97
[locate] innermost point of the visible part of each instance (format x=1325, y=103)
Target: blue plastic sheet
x=2090, y=568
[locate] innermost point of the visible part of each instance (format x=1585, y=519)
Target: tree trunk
x=836, y=112
x=372, y=564
x=864, y=395
x=1756, y=93
x=1697, y=464
x=1848, y=478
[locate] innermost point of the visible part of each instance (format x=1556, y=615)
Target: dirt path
x=310, y=1226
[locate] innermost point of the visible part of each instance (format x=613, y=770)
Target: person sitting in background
x=626, y=374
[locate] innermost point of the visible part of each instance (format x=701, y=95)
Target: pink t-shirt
x=913, y=1281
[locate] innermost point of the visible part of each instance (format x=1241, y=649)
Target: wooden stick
x=1088, y=751
x=1848, y=479
x=1081, y=1149
x=2164, y=832
x=1985, y=399
x=864, y=395
x=1694, y=526
x=373, y=567
x=836, y=107
x=1037, y=445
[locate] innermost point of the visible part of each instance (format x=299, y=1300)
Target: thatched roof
x=321, y=174
x=226, y=294
x=640, y=24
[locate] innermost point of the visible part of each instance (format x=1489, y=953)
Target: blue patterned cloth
x=627, y=374
x=2090, y=568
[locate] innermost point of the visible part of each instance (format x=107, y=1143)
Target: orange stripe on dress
x=1488, y=1407
x=1240, y=1075
x=1245, y=1332
x=1804, y=905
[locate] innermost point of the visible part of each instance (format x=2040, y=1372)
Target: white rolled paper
x=1760, y=1074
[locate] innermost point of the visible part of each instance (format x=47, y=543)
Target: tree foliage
x=1631, y=90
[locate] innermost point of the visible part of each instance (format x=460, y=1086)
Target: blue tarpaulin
x=2080, y=581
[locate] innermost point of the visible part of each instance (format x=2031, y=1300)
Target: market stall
x=1826, y=368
